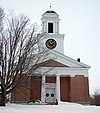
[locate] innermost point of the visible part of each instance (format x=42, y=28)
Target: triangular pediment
x=56, y=59
x=52, y=63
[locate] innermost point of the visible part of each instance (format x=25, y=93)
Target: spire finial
x=50, y=6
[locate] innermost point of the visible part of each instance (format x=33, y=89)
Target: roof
x=59, y=64
x=65, y=60
x=50, y=11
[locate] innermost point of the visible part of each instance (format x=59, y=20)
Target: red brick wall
x=87, y=97
x=79, y=89
x=50, y=79
x=36, y=87
x=21, y=93
x=65, y=88
x=30, y=90
x=72, y=89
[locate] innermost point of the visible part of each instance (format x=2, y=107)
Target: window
x=47, y=95
x=50, y=27
x=52, y=95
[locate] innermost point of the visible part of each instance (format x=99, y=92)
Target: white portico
x=63, y=67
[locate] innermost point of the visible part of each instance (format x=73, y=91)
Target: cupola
x=50, y=22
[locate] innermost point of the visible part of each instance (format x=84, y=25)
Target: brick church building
x=67, y=81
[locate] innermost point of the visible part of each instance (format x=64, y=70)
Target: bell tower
x=50, y=26
x=50, y=22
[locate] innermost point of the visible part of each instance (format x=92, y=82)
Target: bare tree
x=20, y=53
x=1, y=18
x=95, y=99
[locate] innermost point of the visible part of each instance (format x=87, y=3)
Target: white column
x=43, y=89
x=0, y=69
x=45, y=26
x=55, y=27
x=72, y=75
x=58, y=87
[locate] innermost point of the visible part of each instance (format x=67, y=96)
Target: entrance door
x=50, y=95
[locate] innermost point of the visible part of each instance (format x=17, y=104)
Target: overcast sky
x=80, y=22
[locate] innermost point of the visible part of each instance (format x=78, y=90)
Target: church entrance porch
x=50, y=93
x=50, y=90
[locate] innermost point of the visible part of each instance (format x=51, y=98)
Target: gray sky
x=80, y=22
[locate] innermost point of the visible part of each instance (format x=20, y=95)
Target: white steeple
x=50, y=26
x=50, y=22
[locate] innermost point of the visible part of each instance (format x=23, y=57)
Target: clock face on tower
x=51, y=43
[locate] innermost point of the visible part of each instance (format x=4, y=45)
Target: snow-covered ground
x=61, y=108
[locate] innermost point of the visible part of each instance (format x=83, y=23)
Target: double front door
x=50, y=95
